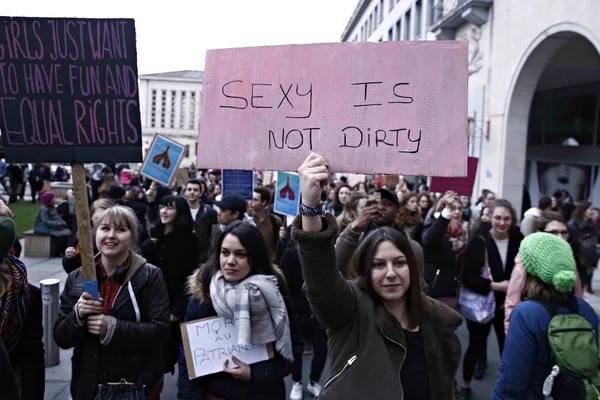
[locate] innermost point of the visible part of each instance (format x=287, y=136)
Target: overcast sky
x=174, y=35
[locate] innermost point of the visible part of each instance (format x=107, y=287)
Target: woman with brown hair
x=586, y=234
x=380, y=326
x=527, y=360
x=20, y=319
x=550, y=222
x=350, y=210
x=409, y=214
x=497, y=250
x=341, y=197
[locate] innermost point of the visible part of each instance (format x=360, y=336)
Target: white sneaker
x=296, y=392
x=314, y=388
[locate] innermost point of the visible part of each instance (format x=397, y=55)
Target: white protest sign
x=208, y=342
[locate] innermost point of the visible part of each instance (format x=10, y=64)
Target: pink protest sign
x=462, y=186
x=392, y=107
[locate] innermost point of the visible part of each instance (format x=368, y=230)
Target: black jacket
x=134, y=351
x=439, y=256
x=7, y=376
x=176, y=254
x=475, y=259
x=205, y=219
x=27, y=358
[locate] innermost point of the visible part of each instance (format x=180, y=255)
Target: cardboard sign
x=69, y=90
x=462, y=186
x=162, y=160
x=237, y=182
x=208, y=342
x=392, y=107
x=287, y=194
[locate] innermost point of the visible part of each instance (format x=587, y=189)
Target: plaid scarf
x=257, y=308
x=13, y=309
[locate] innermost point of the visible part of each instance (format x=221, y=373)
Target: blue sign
x=234, y=181
x=162, y=160
x=287, y=194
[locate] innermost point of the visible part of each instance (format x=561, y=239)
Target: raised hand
x=313, y=177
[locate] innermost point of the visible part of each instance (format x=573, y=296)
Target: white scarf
x=257, y=308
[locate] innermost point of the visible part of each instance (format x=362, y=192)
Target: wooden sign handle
x=82, y=213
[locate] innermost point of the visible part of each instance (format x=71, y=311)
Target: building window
x=399, y=29
x=355, y=38
x=380, y=11
x=183, y=110
x=370, y=24
x=392, y=2
x=172, y=115
x=163, y=109
x=407, y=26
x=391, y=34
x=153, y=119
x=418, y=10
x=376, y=18
x=362, y=33
x=192, y=109
x=430, y=12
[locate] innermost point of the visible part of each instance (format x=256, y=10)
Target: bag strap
x=552, y=306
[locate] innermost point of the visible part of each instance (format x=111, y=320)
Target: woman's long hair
x=258, y=257
x=183, y=221
x=405, y=217
x=362, y=265
x=580, y=209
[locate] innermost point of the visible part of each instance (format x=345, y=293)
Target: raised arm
x=329, y=294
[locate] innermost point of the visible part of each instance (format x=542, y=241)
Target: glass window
x=417, y=29
x=535, y=132
x=570, y=117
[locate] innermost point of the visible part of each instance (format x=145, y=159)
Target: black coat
x=27, y=358
x=176, y=254
x=135, y=350
x=475, y=259
x=439, y=256
x=7, y=376
x=205, y=219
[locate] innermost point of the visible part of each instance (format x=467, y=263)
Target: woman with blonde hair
x=119, y=337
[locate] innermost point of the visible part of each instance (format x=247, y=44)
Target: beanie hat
x=47, y=199
x=7, y=235
x=549, y=258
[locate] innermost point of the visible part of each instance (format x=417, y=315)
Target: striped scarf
x=13, y=309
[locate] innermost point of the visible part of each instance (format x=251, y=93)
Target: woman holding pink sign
x=239, y=282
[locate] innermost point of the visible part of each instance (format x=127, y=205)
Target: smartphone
x=377, y=196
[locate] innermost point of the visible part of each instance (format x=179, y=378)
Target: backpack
x=575, y=373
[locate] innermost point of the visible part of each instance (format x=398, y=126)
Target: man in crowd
x=231, y=208
x=267, y=223
x=376, y=214
x=204, y=216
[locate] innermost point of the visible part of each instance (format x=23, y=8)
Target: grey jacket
x=360, y=331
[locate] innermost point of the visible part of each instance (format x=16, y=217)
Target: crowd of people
x=369, y=277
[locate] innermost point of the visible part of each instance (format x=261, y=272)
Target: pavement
x=58, y=377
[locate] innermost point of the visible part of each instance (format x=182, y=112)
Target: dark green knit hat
x=549, y=258
x=7, y=235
